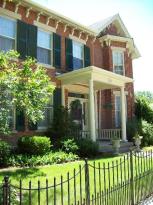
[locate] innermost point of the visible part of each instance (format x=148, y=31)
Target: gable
x=112, y=26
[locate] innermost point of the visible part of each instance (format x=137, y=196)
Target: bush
x=5, y=151
x=48, y=159
x=69, y=146
x=133, y=126
x=36, y=145
x=87, y=148
x=147, y=133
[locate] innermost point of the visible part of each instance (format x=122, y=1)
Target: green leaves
x=23, y=85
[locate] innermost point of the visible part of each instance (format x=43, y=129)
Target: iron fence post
x=132, y=180
x=87, y=184
x=6, y=191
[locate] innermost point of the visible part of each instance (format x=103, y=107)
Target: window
x=118, y=110
x=7, y=34
x=44, y=47
x=118, y=62
x=48, y=116
x=78, y=55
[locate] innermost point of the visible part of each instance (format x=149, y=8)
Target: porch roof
x=103, y=79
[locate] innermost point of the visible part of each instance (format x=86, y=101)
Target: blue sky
x=137, y=16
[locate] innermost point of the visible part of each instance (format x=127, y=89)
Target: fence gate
x=127, y=180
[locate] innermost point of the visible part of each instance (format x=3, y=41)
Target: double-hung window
x=118, y=62
x=7, y=34
x=78, y=55
x=44, y=47
x=48, y=116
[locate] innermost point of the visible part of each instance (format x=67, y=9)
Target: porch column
x=63, y=96
x=123, y=114
x=92, y=110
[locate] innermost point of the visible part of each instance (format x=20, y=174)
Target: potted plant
x=137, y=141
x=116, y=144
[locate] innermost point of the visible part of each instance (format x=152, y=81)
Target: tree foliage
x=143, y=109
x=23, y=85
x=146, y=94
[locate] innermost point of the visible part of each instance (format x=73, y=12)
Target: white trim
x=114, y=48
x=10, y=13
x=116, y=92
x=77, y=39
x=45, y=27
x=45, y=65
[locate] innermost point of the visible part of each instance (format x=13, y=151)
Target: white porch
x=89, y=80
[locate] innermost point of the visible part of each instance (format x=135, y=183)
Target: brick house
x=89, y=65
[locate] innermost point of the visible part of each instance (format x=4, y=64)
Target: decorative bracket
x=48, y=19
x=73, y=29
x=57, y=24
x=17, y=7
x=38, y=16
x=87, y=37
x=28, y=11
x=4, y=4
x=65, y=28
x=80, y=34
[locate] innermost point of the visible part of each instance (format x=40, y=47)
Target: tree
x=143, y=109
x=24, y=85
x=146, y=94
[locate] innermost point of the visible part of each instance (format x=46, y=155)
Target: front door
x=79, y=112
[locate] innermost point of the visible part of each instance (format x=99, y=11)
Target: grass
x=109, y=178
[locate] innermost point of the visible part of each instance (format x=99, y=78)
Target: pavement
x=148, y=201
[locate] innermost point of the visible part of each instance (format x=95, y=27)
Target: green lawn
x=108, y=178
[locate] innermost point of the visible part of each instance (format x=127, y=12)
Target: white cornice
x=77, y=39
x=58, y=17
x=129, y=43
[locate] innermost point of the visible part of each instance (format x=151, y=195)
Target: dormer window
x=118, y=62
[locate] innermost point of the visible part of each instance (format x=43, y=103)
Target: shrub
x=48, y=159
x=36, y=145
x=133, y=126
x=69, y=146
x=5, y=151
x=147, y=133
x=87, y=148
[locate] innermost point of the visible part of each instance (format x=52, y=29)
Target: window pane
x=77, y=55
x=117, y=111
x=44, y=56
x=118, y=62
x=6, y=44
x=44, y=39
x=7, y=27
x=48, y=116
x=77, y=63
x=77, y=50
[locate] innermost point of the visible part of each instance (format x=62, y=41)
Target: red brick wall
x=101, y=56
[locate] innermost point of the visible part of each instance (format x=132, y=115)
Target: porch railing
x=108, y=134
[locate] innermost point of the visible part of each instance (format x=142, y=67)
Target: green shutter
x=22, y=38
x=26, y=39
x=69, y=54
x=20, y=120
x=32, y=41
x=57, y=98
x=56, y=50
x=86, y=56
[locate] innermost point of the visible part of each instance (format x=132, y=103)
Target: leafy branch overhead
x=24, y=85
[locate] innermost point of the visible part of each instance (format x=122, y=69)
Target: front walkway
x=148, y=201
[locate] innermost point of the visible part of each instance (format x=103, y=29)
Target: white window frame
x=15, y=38
x=51, y=49
x=121, y=51
x=74, y=41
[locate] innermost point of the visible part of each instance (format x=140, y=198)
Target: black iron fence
x=126, y=180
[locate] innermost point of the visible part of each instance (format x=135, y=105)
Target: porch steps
x=106, y=146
